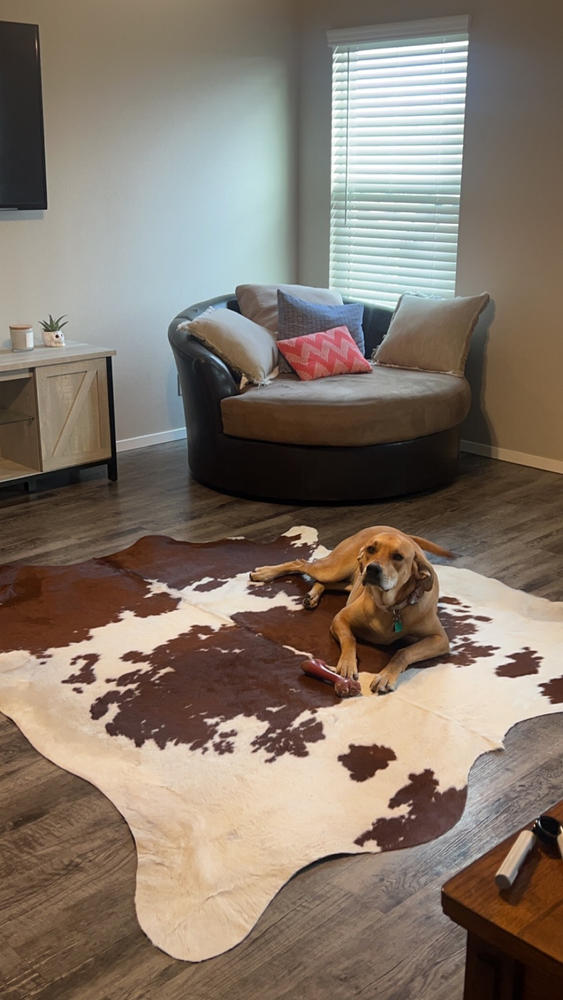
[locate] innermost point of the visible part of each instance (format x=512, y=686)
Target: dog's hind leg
x=263, y=574
x=332, y=570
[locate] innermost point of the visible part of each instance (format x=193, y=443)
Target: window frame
x=418, y=198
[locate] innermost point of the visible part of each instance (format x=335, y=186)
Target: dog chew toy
x=344, y=687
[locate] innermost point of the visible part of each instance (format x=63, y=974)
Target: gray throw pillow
x=430, y=334
x=297, y=318
x=249, y=349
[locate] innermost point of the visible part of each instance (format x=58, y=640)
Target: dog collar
x=424, y=584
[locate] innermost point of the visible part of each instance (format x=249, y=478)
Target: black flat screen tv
x=22, y=146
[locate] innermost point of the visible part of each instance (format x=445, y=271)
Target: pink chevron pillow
x=318, y=355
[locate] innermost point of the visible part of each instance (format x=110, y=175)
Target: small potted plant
x=53, y=335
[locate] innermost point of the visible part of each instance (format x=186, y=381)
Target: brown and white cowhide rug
x=171, y=682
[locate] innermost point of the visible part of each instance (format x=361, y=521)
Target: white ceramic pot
x=53, y=338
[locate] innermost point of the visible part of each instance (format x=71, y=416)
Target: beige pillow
x=260, y=302
x=245, y=346
x=431, y=335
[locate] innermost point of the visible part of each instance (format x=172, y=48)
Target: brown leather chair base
x=266, y=471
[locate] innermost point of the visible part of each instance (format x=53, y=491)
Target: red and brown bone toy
x=344, y=687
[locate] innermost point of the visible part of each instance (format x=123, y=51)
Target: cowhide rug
x=171, y=682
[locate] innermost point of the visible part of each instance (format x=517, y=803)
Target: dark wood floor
x=365, y=926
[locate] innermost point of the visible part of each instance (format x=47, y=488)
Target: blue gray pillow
x=297, y=318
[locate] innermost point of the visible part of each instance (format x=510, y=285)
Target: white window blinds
x=398, y=106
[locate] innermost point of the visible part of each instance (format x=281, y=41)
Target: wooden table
x=514, y=937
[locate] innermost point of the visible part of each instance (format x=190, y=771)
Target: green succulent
x=53, y=324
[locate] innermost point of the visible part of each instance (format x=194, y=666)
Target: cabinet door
x=72, y=401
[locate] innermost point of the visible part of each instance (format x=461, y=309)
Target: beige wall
x=511, y=225
x=170, y=168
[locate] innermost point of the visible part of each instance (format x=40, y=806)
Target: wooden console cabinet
x=56, y=410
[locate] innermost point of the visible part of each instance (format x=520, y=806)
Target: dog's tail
x=432, y=547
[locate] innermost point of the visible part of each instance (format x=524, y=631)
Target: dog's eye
x=398, y=557
x=371, y=549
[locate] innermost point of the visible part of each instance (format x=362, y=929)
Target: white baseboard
x=517, y=457
x=146, y=440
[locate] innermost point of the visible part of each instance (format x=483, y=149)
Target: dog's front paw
x=384, y=681
x=347, y=669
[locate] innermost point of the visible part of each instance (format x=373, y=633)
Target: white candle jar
x=21, y=336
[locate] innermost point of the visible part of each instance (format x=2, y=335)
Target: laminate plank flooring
x=349, y=927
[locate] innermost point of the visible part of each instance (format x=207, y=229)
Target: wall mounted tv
x=22, y=146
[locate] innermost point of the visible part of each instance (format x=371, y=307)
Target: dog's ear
x=362, y=559
x=423, y=572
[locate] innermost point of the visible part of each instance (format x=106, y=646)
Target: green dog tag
x=397, y=625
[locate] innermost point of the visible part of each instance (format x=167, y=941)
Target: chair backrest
x=375, y=325
x=375, y=322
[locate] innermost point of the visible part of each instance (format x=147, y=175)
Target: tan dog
x=393, y=595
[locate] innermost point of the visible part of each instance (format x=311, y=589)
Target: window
x=398, y=108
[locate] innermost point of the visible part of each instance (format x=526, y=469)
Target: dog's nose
x=373, y=572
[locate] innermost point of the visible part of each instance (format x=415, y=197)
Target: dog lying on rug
x=393, y=594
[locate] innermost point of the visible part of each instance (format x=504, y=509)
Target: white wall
x=170, y=167
x=511, y=222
